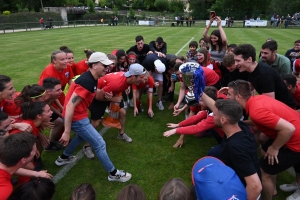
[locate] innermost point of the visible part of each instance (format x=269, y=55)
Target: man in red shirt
x=79, y=97
x=281, y=124
x=109, y=89
x=15, y=152
x=294, y=87
x=137, y=90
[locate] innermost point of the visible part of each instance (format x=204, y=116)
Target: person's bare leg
x=58, y=126
x=267, y=185
x=160, y=91
x=122, y=119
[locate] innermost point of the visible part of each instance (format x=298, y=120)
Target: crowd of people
x=247, y=104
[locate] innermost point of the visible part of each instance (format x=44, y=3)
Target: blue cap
x=213, y=180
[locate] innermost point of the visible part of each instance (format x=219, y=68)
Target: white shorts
x=157, y=76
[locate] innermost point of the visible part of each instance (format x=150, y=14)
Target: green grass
x=150, y=158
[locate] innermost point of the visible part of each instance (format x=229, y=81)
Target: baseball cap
x=160, y=67
x=135, y=69
x=214, y=180
x=99, y=57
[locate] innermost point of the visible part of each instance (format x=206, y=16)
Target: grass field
x=150, y=158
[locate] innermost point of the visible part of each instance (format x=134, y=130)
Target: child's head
x=230, y=48
x=131, y=192
x=174, y=189
x=84, y=191
x=193, y=45
x=201, y=42
x=210, y=91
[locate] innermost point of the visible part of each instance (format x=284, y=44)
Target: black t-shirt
x=239, y=152
x=148, y=62
x=265, y=79
x=87, y=81
x=141, y=55
x=228, y=76
x=153, y=47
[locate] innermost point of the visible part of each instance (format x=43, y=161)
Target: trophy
x=188, y=71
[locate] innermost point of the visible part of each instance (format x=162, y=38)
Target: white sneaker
x=120, y=176
x=131, y=103
x=294, y=196
x=60, y=161
x=125, y=105
x=289, y=187
x=88, y=152
x=160, y=105
x=124, y=137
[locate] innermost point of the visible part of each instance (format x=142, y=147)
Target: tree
x=72, y=3
x=176, y=6
x=200, y=8
x=102, y=3
x=91, y=6
x=138, y=4
x=149, y=4
x=161, y=5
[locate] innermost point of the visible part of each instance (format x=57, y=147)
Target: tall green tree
x=161, y=5
x=149, y=4
x=91, y=6
x=176, y=6
x=138, y=4
x=200, y=8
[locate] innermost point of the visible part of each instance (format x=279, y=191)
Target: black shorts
x=97, y=108
x=54, y=116
x=286, y=158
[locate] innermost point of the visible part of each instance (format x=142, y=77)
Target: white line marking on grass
x=184, y=46
x=67, y=167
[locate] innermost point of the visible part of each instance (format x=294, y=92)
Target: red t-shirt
x=80, y=67
x=149, y=84
x=35, y=130
x=198, y=123
x=265, y=112
x=6, y=187
x=113, y=82
x=64, y=76
x=211, y=76
x=84, y=86
x=11, y=108
x=296, y=95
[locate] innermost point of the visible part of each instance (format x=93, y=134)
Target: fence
x=29, y=26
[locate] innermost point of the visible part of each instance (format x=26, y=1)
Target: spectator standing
x=293, y=53
x=116, y=20
x=50, y=21
x=42, y=23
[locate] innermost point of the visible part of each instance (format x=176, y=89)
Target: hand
x=44, y=174
x=179, y=143
x=150, y=113
x=178, y=111
x=37, y=154
x=48, y=125
x=171, y=125
x=169, y=133
x=127, y=91
x=171, y=89
x=176, y=107
x=65, y=138
x=223, y=90
x=149, y=52
x=108, y=95
x=23, y=127
x=44, y=139
x=271, y=154
x=135, y=111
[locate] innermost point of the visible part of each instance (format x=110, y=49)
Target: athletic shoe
x=131, y=103
x=60, y=161
x=125, y=105
x=294, y=196
x=120, y=176
x=53, y=147
x=160, y=105
x=88, y=152
x=289, y=187
x=125, y=137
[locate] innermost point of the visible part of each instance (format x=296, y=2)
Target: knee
x=122, y=112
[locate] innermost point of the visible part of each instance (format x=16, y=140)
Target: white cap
x=160, y=67
x=135, y=69
x=99, y=57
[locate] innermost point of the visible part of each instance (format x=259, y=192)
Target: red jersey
x=113, y=82
x=149, y=84
x=296, y=95
x=80, y=67
x=6, y=187
x=198, y=123
x=211, y=77
x=84, y=86
x=35, y=130
x=64, y=76
x=11, y=108
x=265, y=112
